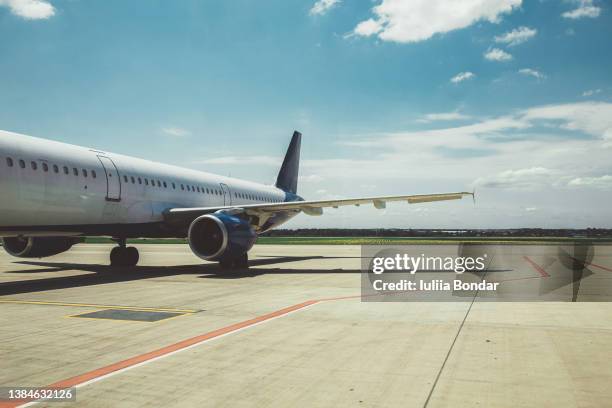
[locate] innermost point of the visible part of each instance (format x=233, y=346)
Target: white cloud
x=594, y=118
x=602, y=182
x=417, y=20
x=585, y=9
x=367, y=28
x=322, y=7
x=516, y=36
x=532, y=72
x=30, y=9
x=462, y=76
x=244, y=160
x=527, y=178
x=176, y=131
x=524, y=159
x=495, y=54
x=446, y=116
x=591, y=92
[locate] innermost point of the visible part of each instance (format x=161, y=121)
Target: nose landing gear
x=123, y=255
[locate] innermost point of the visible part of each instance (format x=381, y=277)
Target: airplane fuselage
x=51, y=189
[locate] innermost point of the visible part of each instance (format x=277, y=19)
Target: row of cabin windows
x=255, y=197
x=56, y=169
x=164, y=184
x=203, y=190
x=134, y=180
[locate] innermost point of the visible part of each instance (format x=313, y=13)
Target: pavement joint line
x=94, y=306
x=452, y=346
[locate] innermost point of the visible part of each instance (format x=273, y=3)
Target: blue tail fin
x=288, y=175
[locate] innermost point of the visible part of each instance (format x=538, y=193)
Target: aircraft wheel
x=226, y=263
x=242, y=261
x=121, y=256
x=132, y=256
x=116, y=256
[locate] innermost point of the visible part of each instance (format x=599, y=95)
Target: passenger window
x=22, y=164
x=165, y=185
x=146, y=182
x=182, y=187
x=173, y=186
x=34, y=165
x=75, y=171
x=55, y=169
x=93, y=173
x=139, y=180
x=9, y=162
x=66, y=170
x=84, y=173
x=133, y=179
x=125, y=179
x=45, y=167
x=158, y=183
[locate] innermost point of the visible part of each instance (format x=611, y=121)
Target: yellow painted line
x=136, y=308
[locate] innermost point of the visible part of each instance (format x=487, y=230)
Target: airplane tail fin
x=288, y=175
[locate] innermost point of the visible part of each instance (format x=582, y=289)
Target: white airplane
x=53, y=194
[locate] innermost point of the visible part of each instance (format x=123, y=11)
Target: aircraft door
x=227, y=195
x=113, y=182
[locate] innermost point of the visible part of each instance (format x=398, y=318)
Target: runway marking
x=537, y=267
x=600, y=267
x=142, y=359
x=135, y=308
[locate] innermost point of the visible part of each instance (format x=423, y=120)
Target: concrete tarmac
x=291, y=331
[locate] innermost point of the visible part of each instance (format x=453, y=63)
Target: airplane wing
x=264, y=210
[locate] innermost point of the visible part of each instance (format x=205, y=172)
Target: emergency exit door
x=113, y=182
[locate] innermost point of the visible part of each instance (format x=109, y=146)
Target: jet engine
x=221, y=237
x=37, y=247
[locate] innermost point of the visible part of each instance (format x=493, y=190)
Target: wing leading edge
x=308, y=207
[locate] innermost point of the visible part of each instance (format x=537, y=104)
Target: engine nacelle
x=37, y=247
x=218, y=236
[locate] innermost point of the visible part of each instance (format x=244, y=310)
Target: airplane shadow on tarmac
x=103, y=274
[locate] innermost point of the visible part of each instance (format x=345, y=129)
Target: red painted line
x=130, y=362
x=600, y=267
x=592, y=264
x=605, y=268
x=537, y=267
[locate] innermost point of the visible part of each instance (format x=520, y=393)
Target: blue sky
x=511, y=97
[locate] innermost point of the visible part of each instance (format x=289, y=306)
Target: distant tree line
x=396, y=232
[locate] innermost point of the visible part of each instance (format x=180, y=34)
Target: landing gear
x=123, y=255
x=240, y=262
